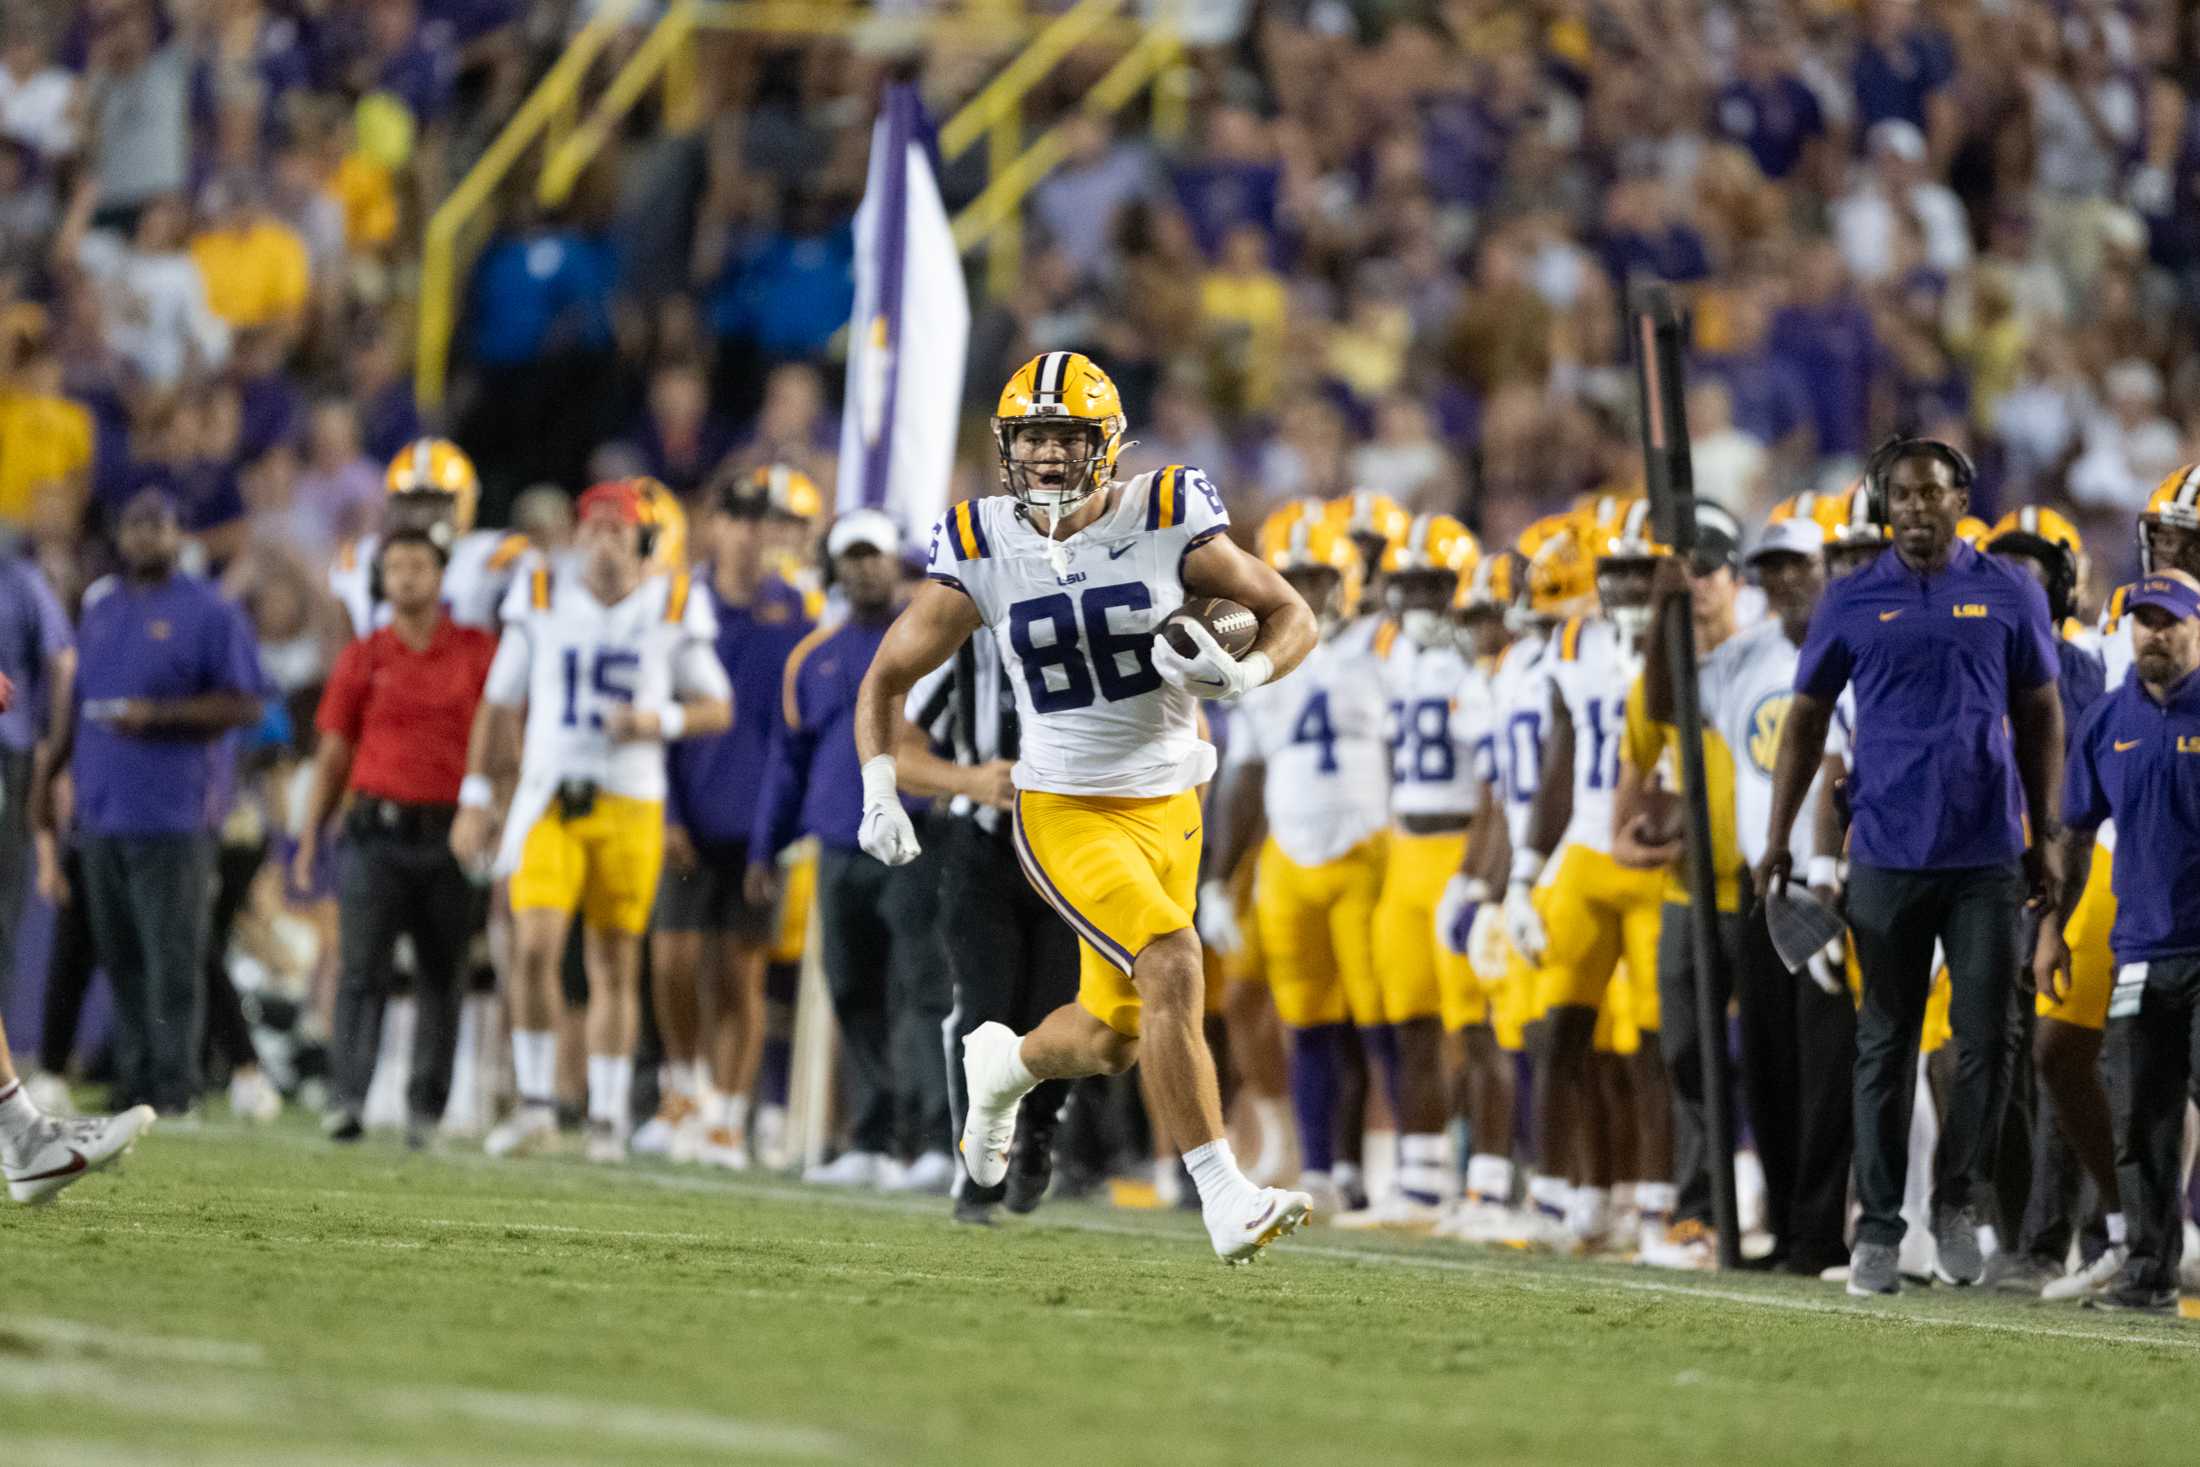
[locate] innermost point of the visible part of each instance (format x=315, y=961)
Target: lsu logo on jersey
x=1971, y=608
x=2188, y=744
x=1765, y=722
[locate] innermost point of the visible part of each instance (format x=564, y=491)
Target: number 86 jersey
x=1075, y=621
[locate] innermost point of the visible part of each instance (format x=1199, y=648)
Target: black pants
x=15, y=842
x=1013, y=961
x=69, y=969
x=1895, y=918
x=1798, y=1069
x=227, y=1042
x=147, y=899
x=890, y=993
x=2150, y=1057
x=2061, y=1193
x=397, y=884
x=1678, y=1031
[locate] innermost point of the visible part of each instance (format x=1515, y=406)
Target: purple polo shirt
x=2137, y=762
x=33, y=630
x=1935, y=660
x=717, y=781
x=813, y=785
x=174, y=640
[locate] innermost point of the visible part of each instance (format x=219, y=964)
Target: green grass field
x=244, y=1299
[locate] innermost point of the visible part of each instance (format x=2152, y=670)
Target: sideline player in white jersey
x=1311, y=758
x=1576, y=912
x=1074, y=572
x=432, y=486
x=610, y=663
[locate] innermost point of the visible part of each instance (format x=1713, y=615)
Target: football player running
x=1311, y=757
x=609, y=663
x=1074, y=571
x=432, y=486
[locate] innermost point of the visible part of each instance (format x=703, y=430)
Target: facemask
x=1425, y=628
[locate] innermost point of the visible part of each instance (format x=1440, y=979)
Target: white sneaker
x=252, y=1098
x=1474, y=1220
x=606, y=1147
x=931, y=1173
x=990, y=1129
x=1686, y=1246
x=525, y=1132
x=769, y=1132
x=2097, y=1277
x=687, y=1139
x=722, y=1146
x=1253, y=1219
x=57, y=1153
x=1394, y=1212
x=656, y=1134
x=50, y=1093
x=1532, y=1227
x=850, y=1169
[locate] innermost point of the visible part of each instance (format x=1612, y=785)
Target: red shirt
x=407, y=714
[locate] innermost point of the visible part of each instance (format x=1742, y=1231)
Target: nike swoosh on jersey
x=1889, y=615
x=2123, y=744
x=1116, y=552
x=74, y=1164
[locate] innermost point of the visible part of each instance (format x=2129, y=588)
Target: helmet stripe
x=2188, y=493
x=1052, y=367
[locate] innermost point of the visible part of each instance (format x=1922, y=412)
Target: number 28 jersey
x=1075, y=628
x=1442, y=736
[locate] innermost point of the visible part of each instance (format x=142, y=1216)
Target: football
x=1232, y=626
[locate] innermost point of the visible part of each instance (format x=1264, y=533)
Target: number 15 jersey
x=1075, y=625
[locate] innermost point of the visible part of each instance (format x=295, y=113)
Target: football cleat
x=722, y=1146
x=1540, y=1229
x=59, y=1153
x=989, y=1054
x=1252, y=1219
x=530, y=1130
x=931, y=1173
x=2095, y=1279
x=1328, y=1202
x=606, y=1147
x=253, y=1098
x=656, y=1136
x=1473, y=1219
x=1394, y=1212
x=1687, y=1245
x=849, y=1169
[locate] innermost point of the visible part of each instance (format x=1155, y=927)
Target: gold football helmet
x=1062, y=395
x=439, y=468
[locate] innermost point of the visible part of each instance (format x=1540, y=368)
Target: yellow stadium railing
x=569, y=142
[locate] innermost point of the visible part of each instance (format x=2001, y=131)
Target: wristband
x=672, y=722
x=1476, y=890
x=880, y=783
x=1527, y=866
x=475, y=792
x=1259, y=668
x=1823, y=871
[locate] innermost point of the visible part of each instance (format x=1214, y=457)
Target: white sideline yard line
x=776, y=1189
x=92, y=1339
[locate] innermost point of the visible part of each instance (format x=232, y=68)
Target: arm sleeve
x=344, y=701
x=1822, y=668
x=2085, y=801
x=509, y=669
x=2032, y=656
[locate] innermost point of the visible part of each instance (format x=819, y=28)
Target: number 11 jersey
x=1075, y=625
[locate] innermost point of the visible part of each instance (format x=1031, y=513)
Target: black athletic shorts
x=709, y=898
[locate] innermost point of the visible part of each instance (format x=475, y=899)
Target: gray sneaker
x=1872, y=1269
x=1957, y=1259
x=2019, y=1273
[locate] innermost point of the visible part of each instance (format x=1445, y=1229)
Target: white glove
x=886, y=832
x=1828, y=968
x=1457, y=909
x=1212, y=673
x=1523, y=923
x=1217, y=920
x=1486, y=944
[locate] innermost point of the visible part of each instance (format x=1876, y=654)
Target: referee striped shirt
x=967, y=708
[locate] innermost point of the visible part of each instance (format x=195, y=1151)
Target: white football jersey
x=1591, y=669
x=1442, y=739
x=482, y=566
x=2113, y=645
x=570, y=659
x=1748, y=684
x=1075, y=626
x=1521, y=701
x=1319, y=735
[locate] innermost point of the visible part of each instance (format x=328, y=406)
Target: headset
x=2060, y=564
x=1900, y=447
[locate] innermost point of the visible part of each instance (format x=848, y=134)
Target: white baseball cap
x=863, y=527
x=1800, y=535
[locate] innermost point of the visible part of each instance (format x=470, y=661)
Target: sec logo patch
x=1765, y=722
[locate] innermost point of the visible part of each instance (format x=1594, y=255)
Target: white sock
x=713, y=1103
x=1421, y=1167
x=535, y=1065
x=17, y=1114
x=1490, y=1178
x=2117, y=1237
x=1020, y=1072
x=610, y=1087
x=1589, y=1209
x=1656, y=1199
x=1549, y=1194
x=1215, y=1172
x=697, y=1081
x=1347, y=1174
x=599, y=1088
x=737, y=1113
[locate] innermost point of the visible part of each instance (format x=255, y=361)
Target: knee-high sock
x=1381, y=1043
x=1314, y=1093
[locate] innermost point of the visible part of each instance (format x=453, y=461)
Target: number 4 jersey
x=572, y=660
x=1319, y=735
x=1075, y=621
